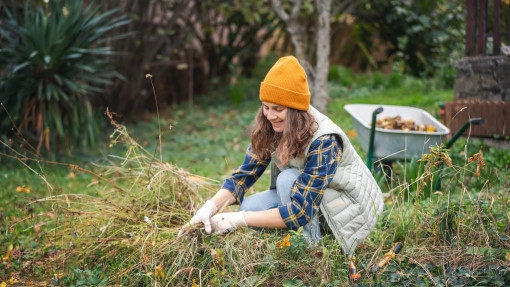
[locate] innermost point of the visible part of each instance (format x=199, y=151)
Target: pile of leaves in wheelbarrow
x=397, y=123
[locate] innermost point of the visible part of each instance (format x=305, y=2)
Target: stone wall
x=482, y=78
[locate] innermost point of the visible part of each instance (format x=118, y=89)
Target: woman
x=313, y=167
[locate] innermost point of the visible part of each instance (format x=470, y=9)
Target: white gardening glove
x=203, y=215
x=228, y=221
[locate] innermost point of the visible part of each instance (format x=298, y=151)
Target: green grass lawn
x=457, y=236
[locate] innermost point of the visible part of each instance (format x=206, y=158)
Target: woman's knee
x=260, y=201
x=249, y=205
x=286, y=180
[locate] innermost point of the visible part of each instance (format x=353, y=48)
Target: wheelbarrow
x=387, y=145
x=391, y=145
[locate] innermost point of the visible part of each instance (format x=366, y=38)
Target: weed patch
x=115, y=222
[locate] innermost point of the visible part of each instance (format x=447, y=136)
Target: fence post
x=482, y=28
x=470, y=41
x=496, y=34
x=508, y=31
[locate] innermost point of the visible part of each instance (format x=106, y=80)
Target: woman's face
x=276, y=115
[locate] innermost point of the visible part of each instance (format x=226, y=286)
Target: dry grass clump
x=131, y=219
x=452, y=227
x=127, y=226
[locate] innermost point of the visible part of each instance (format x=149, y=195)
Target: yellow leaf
x=13, y=281
x=3, y=284
x=507, y=257
x=8, y=255
x=159, y=272
x=23, y=189
x=194, y=284
x=284, y=243
x=351, y=133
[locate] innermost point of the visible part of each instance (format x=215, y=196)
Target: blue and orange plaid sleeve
x=320, y=167
x=246, y=175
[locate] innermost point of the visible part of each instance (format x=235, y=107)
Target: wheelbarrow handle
x=372, y=135
x=477, y=121
x=473, y=121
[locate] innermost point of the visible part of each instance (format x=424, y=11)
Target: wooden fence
x=496, y=115
x=476, y=27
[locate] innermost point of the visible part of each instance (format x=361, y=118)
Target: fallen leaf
x=351, y=133
x=159, y=272
x=8, y=255
x=23, y=189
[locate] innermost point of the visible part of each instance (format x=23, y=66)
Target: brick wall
x=482, y=78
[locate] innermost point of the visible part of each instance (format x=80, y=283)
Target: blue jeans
x=273, y=198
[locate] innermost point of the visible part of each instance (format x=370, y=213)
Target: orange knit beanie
x=285, y=84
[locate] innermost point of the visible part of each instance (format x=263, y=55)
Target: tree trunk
x=319, y=92
x=318, y=76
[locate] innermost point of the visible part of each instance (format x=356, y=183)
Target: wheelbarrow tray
x=396, y=144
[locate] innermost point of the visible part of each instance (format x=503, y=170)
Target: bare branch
x=296, y=8
x=346, y=7
x=277, y=7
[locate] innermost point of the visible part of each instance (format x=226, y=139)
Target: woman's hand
x=220, y=200
x=228, y=221
x=203, y=215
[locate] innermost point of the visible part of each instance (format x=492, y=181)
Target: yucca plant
x=53, y=59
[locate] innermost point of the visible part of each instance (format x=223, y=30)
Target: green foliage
x=458, y=236
x=420, y=34
x=404, y=273
x=54, y=58
x=232, y=35
x=341, y=74
x=95, y=277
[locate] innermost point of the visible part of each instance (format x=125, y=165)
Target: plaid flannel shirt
x=321, y=162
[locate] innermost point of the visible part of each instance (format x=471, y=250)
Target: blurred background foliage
x=421, y=35
x=54, y=58
x=190, y=48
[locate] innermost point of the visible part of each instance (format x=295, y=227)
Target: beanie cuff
x=287, y=98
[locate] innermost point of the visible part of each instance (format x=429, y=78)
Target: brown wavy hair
x=292, y=142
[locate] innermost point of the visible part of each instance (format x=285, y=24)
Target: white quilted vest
x=353, y=201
